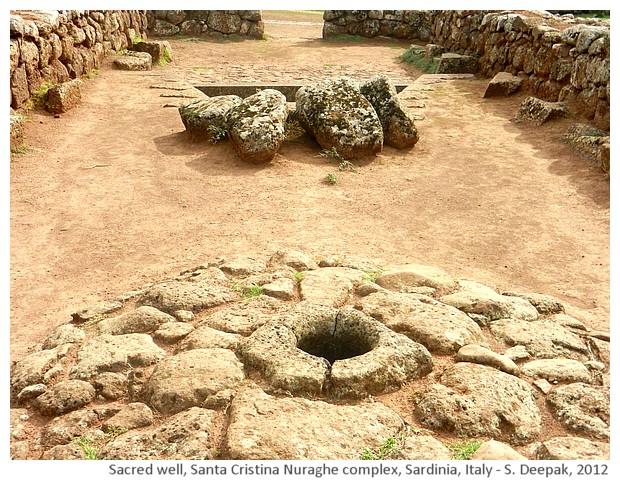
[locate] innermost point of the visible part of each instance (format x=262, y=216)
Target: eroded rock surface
x=340, y=118
x=582, y=408
x=475, y=400
x=205, y=119
x=187, y=435
x=539, y=111
x=263, y=426
x=256, y=125
x=439, y=327
x=399, y=130
x=208, y=288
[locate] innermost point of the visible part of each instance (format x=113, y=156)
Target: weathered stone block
x=502, y=85
x=62, y=98
x=455, y=63
x=134, y=61
x=19, y=87
x=256, y=125
x=160, y=51
x=538, y=111
x=399, y=131
x=432, y=50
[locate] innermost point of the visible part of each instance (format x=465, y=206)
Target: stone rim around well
x=364, y=357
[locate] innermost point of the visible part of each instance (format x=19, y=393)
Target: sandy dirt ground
x=479, y=196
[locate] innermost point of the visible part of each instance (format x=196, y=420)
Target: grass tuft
x=372, y=275
x=166, y=58
x=21, y=150
x=416, y=58
x=90, y=451
x=253, y=291
x=463, y=449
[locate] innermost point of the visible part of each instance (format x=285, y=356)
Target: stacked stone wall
x=59, y=45
x=557, y=60
x=195, y=23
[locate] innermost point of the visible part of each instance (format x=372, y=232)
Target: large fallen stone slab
x=205, y=119
x=265, y=427
x=589, y=142
x=440, y=328
x=340, y=118
x=399, y=131
x=502, y=85
x=256, y=125
x=479, y=401
x=185, y=380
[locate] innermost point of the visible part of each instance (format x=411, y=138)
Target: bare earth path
x=507, y=205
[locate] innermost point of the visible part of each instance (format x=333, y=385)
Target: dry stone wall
x=59, y=45
x=558, y=61
x=194, y=23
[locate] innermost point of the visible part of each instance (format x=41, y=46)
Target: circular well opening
x=332, y=347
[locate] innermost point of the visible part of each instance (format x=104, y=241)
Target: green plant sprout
x=463, y=449
x=331, y=178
